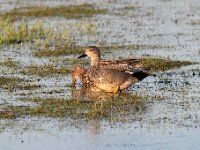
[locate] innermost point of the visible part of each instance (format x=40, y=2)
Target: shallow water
x=171, y=119
x=52, y=134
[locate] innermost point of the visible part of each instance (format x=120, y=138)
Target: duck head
x=93, y=53
x=77, y=73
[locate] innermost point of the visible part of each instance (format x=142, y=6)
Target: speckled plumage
x=121, y=65
x=108, y=80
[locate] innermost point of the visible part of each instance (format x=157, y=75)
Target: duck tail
x=140, y=74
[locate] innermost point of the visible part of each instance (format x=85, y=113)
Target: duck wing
x=121, y=65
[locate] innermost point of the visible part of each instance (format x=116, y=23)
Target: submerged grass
x=6, y=81
x=133, y=47
x=9, y=63
x=45, y=70
x=157, y=64
x=130, y=7
x=12, y=83
x=115, y=108
x=69, y=12
x=7, y=115
x=68, y=61
x=58, y=51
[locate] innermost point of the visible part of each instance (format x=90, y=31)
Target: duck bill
x=73, y=83
x=84, y=55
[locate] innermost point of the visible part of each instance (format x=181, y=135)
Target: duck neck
x=95, y=61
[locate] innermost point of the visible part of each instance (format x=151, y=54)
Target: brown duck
x=108, y=80
x=122, y=65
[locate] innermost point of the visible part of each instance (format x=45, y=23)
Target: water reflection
x=94, y=128
x=90, y=93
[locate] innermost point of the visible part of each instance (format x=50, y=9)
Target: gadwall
x=77, y=73
x=108, y=80
x=122, y=65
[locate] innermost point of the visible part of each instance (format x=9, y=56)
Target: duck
x=125, y=65
x=107, y=80
x=78, y=72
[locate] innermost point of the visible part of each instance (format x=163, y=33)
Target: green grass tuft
x=58, y=51
x=12, y=33
x=155, y=64
x=7, y=115
x=12, y=83
x=133, y=47
x=46, y=70
x=9, y=63
x=69, y=12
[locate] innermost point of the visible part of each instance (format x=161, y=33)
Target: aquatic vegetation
x=86, y=28
x=14, y=33
x=7, y=115
x=72, y=48
x=132, y=47
x=195, y=22
x=130, y=7
x=35, y=32
x=57, y=44
x=113, y=109
x=12, y=83
x=46, y=70
x=9, y=63
x=68, y=61
x=28, y=86
x=58, y=51
x=9, y=81
x=69, y=12
x=156, y=64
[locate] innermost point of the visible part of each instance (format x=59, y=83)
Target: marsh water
x=171, y=118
